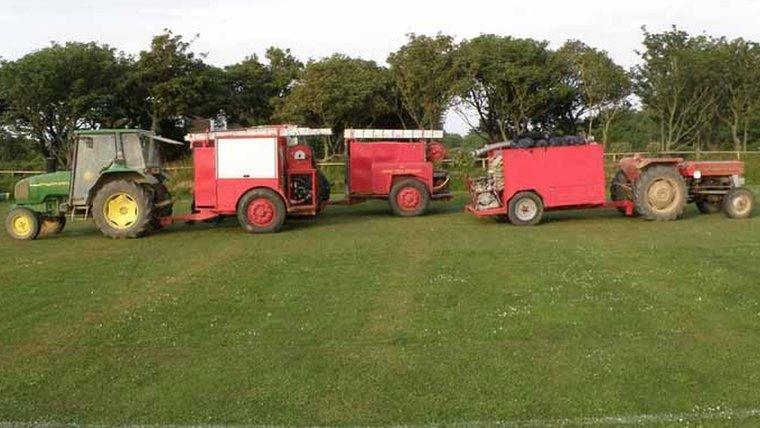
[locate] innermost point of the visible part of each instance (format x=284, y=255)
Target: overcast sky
x=232, y=29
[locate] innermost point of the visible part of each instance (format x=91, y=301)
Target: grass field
x=358, y=317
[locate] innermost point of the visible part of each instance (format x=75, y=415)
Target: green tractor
x=116, y=178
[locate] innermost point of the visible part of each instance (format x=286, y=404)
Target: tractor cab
x=99, y=153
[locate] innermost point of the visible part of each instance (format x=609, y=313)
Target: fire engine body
x=397, y=165
x=258, y=174
x=521, y=183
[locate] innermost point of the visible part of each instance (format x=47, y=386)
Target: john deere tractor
x=116, y=178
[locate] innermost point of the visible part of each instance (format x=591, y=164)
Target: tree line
x=686, y=92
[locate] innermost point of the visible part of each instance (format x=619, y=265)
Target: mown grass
x=358, y=317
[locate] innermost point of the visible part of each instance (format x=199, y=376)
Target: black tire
x=137, y=194
x=621, y=189
x=265, y=205
x=525, y=209
x=22, y=224
x=660, y=193
x=409, y=197
x=163, y=206
x=710, y=204
x=738, y=203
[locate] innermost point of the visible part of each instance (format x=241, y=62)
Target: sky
x=230, y=30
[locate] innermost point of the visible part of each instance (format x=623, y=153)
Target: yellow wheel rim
x=121, y=210
x=21, y=225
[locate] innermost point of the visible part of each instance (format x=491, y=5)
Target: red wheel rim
x=260, y=212
x=409, y=198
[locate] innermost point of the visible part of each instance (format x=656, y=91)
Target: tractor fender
x=634, y=165
x=118, y=175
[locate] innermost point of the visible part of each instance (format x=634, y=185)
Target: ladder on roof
x=394, y=134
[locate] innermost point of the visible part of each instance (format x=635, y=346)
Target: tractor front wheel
x=525, y=209
x=123, y=209
x=23, y=224
x=261, y=211
x=409, y=197
x=738, y=203
x=660, y=193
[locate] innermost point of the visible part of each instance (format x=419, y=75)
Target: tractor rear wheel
x=163, y=205
x=23, y=224
x=409, y=197
x=660, y=193
x=525, y=209
x=620, y=189
x=738, y=203
x=261, y=211
x=710, y=204
x=123, y=209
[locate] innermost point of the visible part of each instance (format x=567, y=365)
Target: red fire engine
x=397, y=165
x=258, y=174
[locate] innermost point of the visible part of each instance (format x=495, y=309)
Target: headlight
x=697, y=174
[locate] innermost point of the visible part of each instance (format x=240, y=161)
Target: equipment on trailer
x=397, y=165
x=257, y=174
x=521, y=183
x=116, y=177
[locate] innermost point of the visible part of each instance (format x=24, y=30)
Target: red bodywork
x=632, y=166
x=215, y=196
x=563, y=177
x=374, y=166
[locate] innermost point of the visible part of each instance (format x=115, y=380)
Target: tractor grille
x=21, y=191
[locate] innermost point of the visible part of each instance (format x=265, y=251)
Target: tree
x=736, y=79
x=170, y=79
x=512, y=85
x=674, y=85
x=255, y=89
x=340, y=92
x=54, y=91
x=601, y=86
x=425, y=74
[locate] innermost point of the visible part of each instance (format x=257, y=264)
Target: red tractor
x=523, y=182
x=259, y=175
x=397, y=165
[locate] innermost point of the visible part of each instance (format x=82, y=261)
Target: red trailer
x=521, y=183
x=397, y=165
x=258, y=174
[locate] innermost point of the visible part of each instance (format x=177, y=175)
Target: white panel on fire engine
x=246, y=158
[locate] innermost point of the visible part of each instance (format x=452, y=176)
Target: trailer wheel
x=22, y=224
x=660, y=193
x=709, y=204
x=620, y=189
x=738, y=203
x=122, y=209
x=261, y=211
x=525, y=209
x=409, y=197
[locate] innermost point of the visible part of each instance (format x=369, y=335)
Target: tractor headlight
x=697, y=174
x=21, y=191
